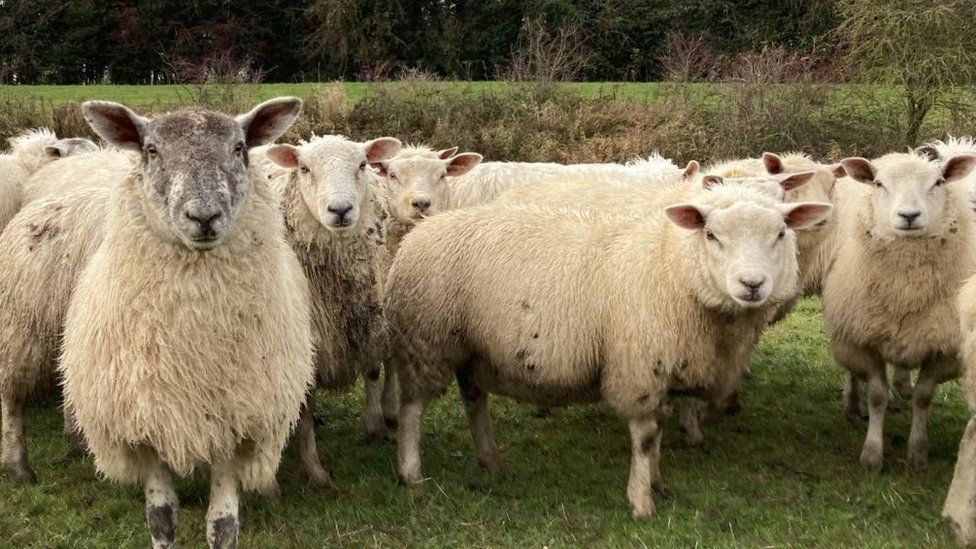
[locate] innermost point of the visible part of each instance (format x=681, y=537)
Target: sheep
x=904, y=247
x=187, y=341
x=960, y=504
x=42, y=250
x=95, y=169
x=953, y=146
x=556, y=305
x=30, y=151
x=335, y=214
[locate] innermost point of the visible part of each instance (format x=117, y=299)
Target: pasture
x=782, y=473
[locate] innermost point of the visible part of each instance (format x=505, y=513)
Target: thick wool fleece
x=101, y=169
x=197, y=357
x=42, y=252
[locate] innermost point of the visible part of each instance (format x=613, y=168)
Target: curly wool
x=200, y=357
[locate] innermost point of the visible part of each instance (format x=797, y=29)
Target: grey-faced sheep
x=335, y=215
x=560, y=305
x=30, y=151
x=904, y=248
x=187, y=341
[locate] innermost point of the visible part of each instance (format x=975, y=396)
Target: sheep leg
x=14, y=428
x=222, y=514
x=73, y=433
x=644, y=457
x=931, y=374
x=391, y=397
x=960, y=504
x=162, y=505
x=479, y=421
x=852, y=397
x=308, y=453
x=688, y=417
x=872, y=454
x=375, y=424
x=657, y=479
x=901, y=380
x=408, y=439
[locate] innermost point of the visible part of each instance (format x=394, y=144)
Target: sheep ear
x=116, y=124
x=266, y=122
x=447, y=153
x=285, y=156
x=67, y=147
x=773, y=163
x=687, y=216
x=795, y=180
x=859, y=169
x=804, y=215
x=958, y=167
x=463, y=163
x=928, y=151
x=381, y=149
x=710, y=181
x=691, y=169
x=838, y=170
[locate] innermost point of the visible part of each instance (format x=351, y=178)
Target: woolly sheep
x=335, y=214
x=904, y=248
x=187, y=340
x=960, y=504
x=97, y=169
x=561, y=305
x=29, y=151
x=953, y=146
x=42, y=250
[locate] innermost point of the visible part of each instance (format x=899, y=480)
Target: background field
x=783, y=473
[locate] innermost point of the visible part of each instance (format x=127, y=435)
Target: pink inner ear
x=796, y=180
x=381, y=149
x=447, y=153
x=284, y=156
x=958, y=167
x=463, y=163
x=859, y=169
x=688, y=217
x=806, y=214
x=691, y=169
x=710, y=181
x=773, y=163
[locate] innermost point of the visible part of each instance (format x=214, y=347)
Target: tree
x=924, y=47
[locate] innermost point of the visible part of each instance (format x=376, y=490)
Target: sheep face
x=909, y=197
x=820, y=187
x=418, y=184
x=334, y=175
x=194, y=163
x=747, y=249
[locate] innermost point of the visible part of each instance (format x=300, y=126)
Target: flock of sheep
x=190, y=287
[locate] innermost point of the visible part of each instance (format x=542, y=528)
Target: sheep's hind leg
x=960, y=504
x=852, y=397
x=409, y=432
x=14, y=426
x=645, y=437
x=375, y=423
x=479, y=421
x=223, y=524
x=391, y=396
x=901, y=380
x=73, y=433
x=689, y=415
x=872, y=454
x=929, y=377
x=308, y=453
x=162, y=505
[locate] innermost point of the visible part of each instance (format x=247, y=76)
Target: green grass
x=782, y=473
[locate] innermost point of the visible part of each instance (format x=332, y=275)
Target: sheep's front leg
x=73, y=433
x=375, y=424
x=689, y=414
x=931, y=374
x=162, y=505
x=308, y=453
x=872, y=455
x=901, y=380
x=222, y=519
x=960, y=504
x=14, y=454
x=644, y=439
x=852, y=397
x=408, y=440
x=479, y=421
x=391, y=397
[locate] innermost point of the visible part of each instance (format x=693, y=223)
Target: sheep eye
x=878, y=185
x=239, y=148
x=940, y=182
x=362, y=165
x=151, y=149
x=781, y=235
x=304, y=168
x=710, y=235
x=393, y=176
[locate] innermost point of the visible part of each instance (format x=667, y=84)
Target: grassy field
x=783, y=473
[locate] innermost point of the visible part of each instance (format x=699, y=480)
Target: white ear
x=381, y=149
x=958, y=167
x=691, y=169
x=795, y=180
x=447, y=153
x=928, y=151
x=116, y=124
x=285, y=156
x=773, y=163
x=266, y=122
x=803, y=215
x=69, y=146
x=859, y=169
x=463, y=163
x=710, y=181
x=687, y=216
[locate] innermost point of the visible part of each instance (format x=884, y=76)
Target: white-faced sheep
x=96, y=169
x=953, y=146
x=905, y=245
x=335, y=215
x=561, y=305
x=29, y=151
x=187, y=340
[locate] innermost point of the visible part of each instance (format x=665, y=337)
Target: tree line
x=143, y=41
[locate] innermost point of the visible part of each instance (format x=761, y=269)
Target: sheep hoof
x=377, y=435
x=918, y=459
x=645, y=512
x=413, y=481
x=661, y=489
x=541, y=412
x=20, y=473
x=694, y=438
x=391, y=422
x=320, y=478
x=495, y=468
x=871, y=459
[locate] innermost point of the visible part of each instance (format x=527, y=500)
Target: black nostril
x=909, y=217
x=421, y=204
x=753, y=285
x=205, y=223
x=340, y=209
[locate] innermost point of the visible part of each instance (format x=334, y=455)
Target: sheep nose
x=340, y=209
x=204, y=221
x=753, y=283
x=420, y=204
x=909, y=217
